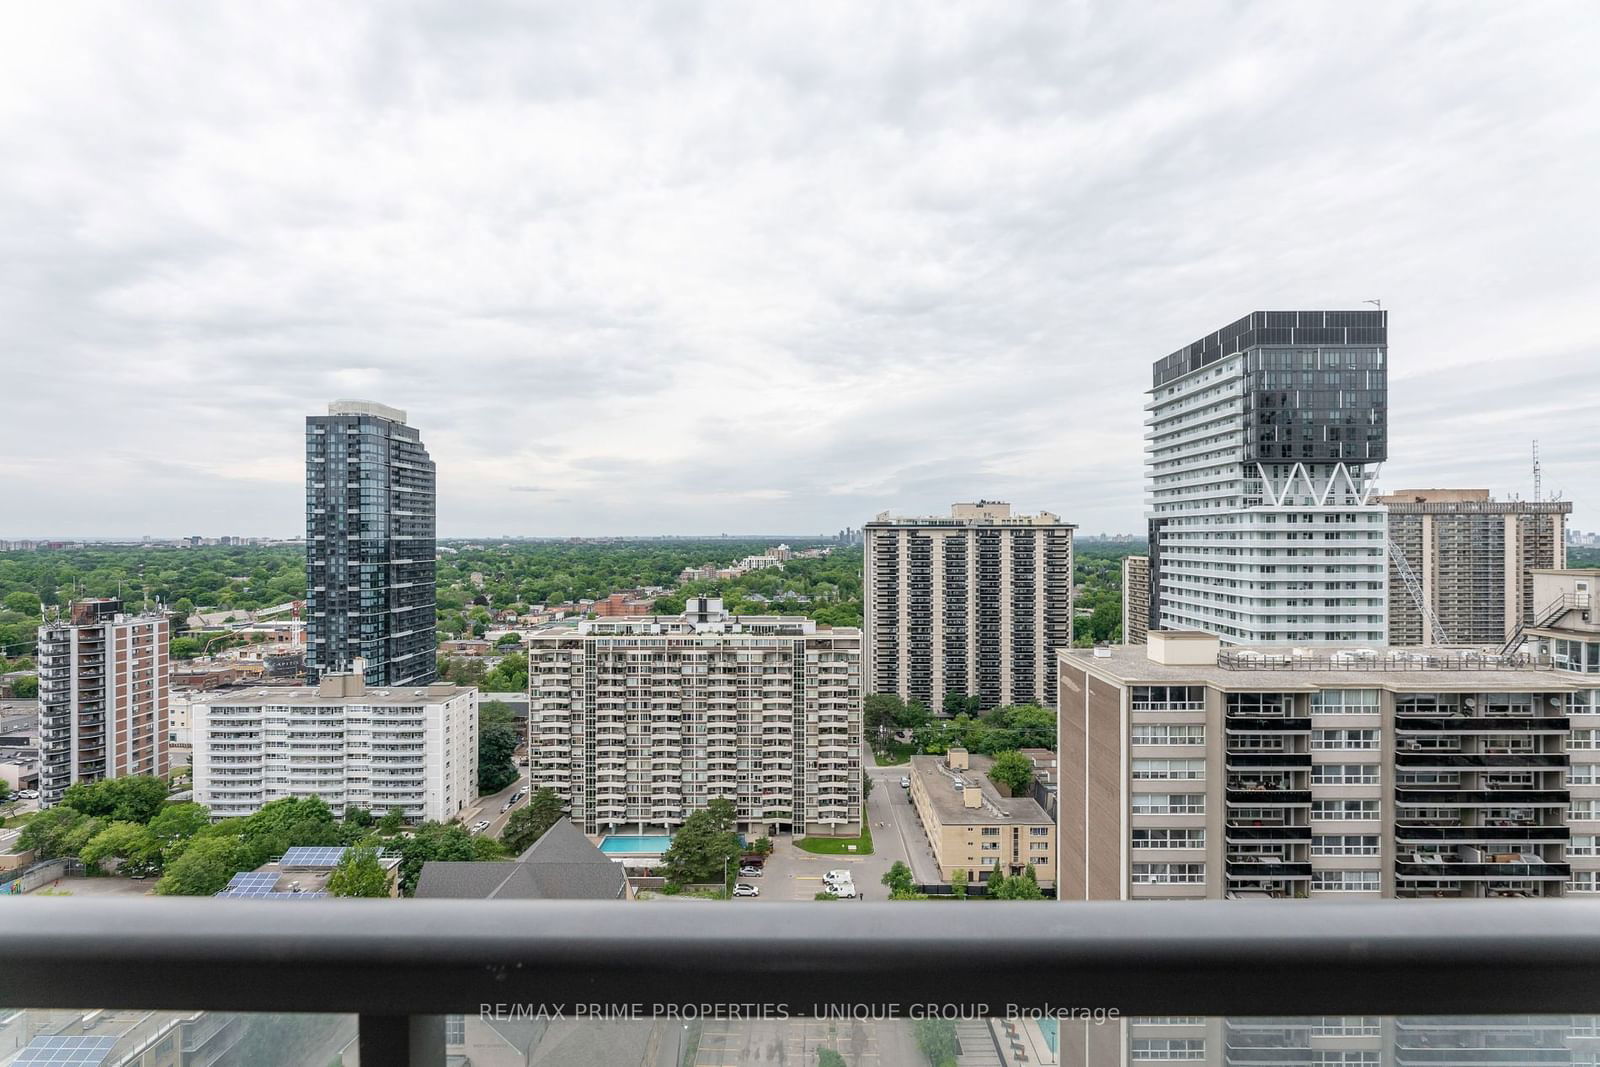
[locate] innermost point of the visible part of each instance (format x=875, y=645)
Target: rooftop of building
x=702, y=616
x=562, y=865
x=300, y=872
x=946, y=788
x=1467, y=502
x=333, y=689
x=1258, y=328
x=1195, y=658
x=977, y=513
x=367, y=407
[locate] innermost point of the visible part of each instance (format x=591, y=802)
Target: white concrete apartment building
x=412, y=747
x=975, y=602
x=103, y=696
x=637, y=722
x=1263, y=442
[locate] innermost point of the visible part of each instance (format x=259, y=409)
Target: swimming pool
x=635, y=844
x=1047, y=1027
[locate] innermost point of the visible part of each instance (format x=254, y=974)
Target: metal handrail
x=399, y=958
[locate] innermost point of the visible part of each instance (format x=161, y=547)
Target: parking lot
x=792, y=873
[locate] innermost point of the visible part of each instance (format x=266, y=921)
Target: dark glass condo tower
x=370, y=554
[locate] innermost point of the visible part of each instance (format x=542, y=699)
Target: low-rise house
x=562, y=865
x=972, y=828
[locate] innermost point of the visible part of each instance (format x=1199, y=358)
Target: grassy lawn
x=17, y=820
x=893, y=753
x=838, y=846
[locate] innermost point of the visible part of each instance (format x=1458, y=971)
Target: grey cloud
x=694, y=268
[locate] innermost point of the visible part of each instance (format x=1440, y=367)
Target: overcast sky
x=682, y=268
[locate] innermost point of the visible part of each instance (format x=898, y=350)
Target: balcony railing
x=401, y=965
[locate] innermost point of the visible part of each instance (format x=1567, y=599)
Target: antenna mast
x=1538, y=474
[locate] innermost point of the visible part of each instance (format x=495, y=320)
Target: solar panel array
x=251, y=881
x=270, y=894
x=312, y=856
x=75, y=1051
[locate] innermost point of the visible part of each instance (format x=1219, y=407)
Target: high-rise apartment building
x=1191, y=771
x=1324, y=773
x=103, y=696
x=1135, y=599
x=1472, y=559
x=370, y=553
x=356, y=746
x=1264, y=441
x=975, y=602
x=637, y=722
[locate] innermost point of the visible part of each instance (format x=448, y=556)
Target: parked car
x=749, y=872
x=480, y=826
x=844, y=890
x=506, y=806
x=745, y=889
x=905, y=781
x=838, y=874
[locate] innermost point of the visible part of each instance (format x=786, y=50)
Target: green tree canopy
x=136, y=798
x=706, y=846
x=22, y=602
x=497, y=766
x=175, y=824
x=48, y=834
x=204, y=867
x=937, y=1040
x=25, y=687
x=1012, y=770
x=393, y=821
x=126, y=841
x=899, y=879
x=1024, y=886
x=433, y=841
x=528, y=823
x=880, y=712
x=359, y=874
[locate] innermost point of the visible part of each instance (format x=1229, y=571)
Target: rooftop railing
x=1418, y=660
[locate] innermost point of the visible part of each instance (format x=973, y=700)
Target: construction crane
x=1414, y=587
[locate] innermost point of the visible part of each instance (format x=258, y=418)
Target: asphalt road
x=900, y=814
x=489, y=807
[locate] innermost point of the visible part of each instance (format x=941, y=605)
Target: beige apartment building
x=1335, y=774
x=1325, y=773
x=972, y=827
x=1135, y=599
x=1471, y=559
x=975, y=602
x=636, y=722
x=103, y=696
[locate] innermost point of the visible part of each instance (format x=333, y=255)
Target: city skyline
x=642, y=275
